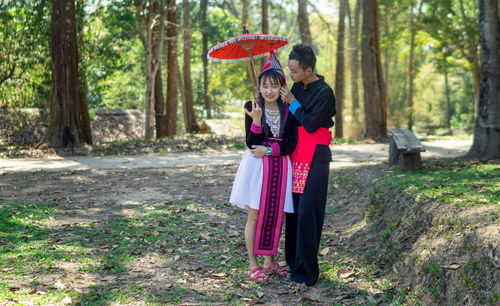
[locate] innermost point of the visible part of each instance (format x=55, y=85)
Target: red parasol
x=246, y=47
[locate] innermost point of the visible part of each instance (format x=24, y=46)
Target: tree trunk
x=413, y=32
x=244, y=13
x=303, y=19
x=354, y=46
x=339, y=71
x=373, y=80
x=447, y=92
x=82, y=77
x=172, y=76
x=159, y=105
x=265, y=24
x=203, y=8
x=244, y=20
x=66, y=117
x=150, y=16
x=387, y=51
x=191, y=125
x=486, y=143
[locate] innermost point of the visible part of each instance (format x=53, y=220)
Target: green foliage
x=24, y=53
x=112, y=58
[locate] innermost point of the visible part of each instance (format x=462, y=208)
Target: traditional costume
x=265, y=183
x=313, y=108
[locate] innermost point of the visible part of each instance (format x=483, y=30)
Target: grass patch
x=462, y=183
x=196, y=241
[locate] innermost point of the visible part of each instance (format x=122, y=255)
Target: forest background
x=439, y=38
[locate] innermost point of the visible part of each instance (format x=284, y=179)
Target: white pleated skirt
x=247, y=185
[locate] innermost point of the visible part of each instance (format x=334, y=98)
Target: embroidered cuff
x=256, y=129
x=276, y=149
x=294, y=106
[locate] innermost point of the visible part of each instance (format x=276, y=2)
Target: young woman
x=263, y=183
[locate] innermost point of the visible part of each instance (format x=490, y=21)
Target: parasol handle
x=254, y=79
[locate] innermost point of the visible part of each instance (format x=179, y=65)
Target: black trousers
x=304, y=226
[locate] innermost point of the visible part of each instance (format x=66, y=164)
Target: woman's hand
x=255, y=113
x=286, y=95
x=258, y=151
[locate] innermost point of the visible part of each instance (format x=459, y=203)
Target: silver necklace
x=273, y=120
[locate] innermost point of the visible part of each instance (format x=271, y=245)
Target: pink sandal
x=275, y=268
x=256, y=275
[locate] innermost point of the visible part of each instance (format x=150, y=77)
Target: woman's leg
x=268, y=260
x=250, y=236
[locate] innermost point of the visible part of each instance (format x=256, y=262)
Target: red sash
x=302, y=157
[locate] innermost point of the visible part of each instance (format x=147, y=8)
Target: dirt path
x=92, y=193
x=343, y=155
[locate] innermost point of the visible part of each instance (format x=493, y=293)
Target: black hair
x=275, y=77
x=303, y=54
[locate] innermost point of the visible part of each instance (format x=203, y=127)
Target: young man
x=312, y=103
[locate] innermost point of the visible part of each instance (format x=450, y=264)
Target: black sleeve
x=290, y=136
x=322, y=110
x=251, y=137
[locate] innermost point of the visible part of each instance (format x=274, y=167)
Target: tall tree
x=487, y=131
x=413, y=32
x=447, y=89
x=189, y=117
x=159, y=105
x=173, y=74
x=66, y=109
x=265, y=23
x=339, y=71
x=244, y=21
x=354, y=48
x=203, y=8
x=150, y=16
x=303, y=20
x=373, y=80
x=82, y=77
x=455, y=22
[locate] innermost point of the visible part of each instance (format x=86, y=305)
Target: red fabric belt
x=302, y=157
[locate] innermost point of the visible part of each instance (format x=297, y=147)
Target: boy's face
x=297, y=74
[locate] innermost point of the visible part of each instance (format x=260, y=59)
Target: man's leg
x=291, y=233
x=310, y=217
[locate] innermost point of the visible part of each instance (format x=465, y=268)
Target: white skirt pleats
x=247, y=185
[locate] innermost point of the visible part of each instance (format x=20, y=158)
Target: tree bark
x=84, y=102
x=66, y=110
x=410, y=77
x=190, y=119
x=486, y=144
x=159, y=105
x=172, y=76
x=354, y=47
x=303, y=20
x=244, y=13
x=150, y=17
x=265, y=24
x=339, y=71
x=203, y=8
x=447, y=91
x=373, y=80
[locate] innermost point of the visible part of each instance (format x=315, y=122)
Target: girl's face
x=270, y=90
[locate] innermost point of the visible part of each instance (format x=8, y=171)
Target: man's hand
x=258, y=151
x=286, y=95
x=255, y=113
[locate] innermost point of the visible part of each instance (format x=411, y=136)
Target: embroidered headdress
x=273, y=63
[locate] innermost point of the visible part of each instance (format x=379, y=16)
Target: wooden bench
x=405, y=148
